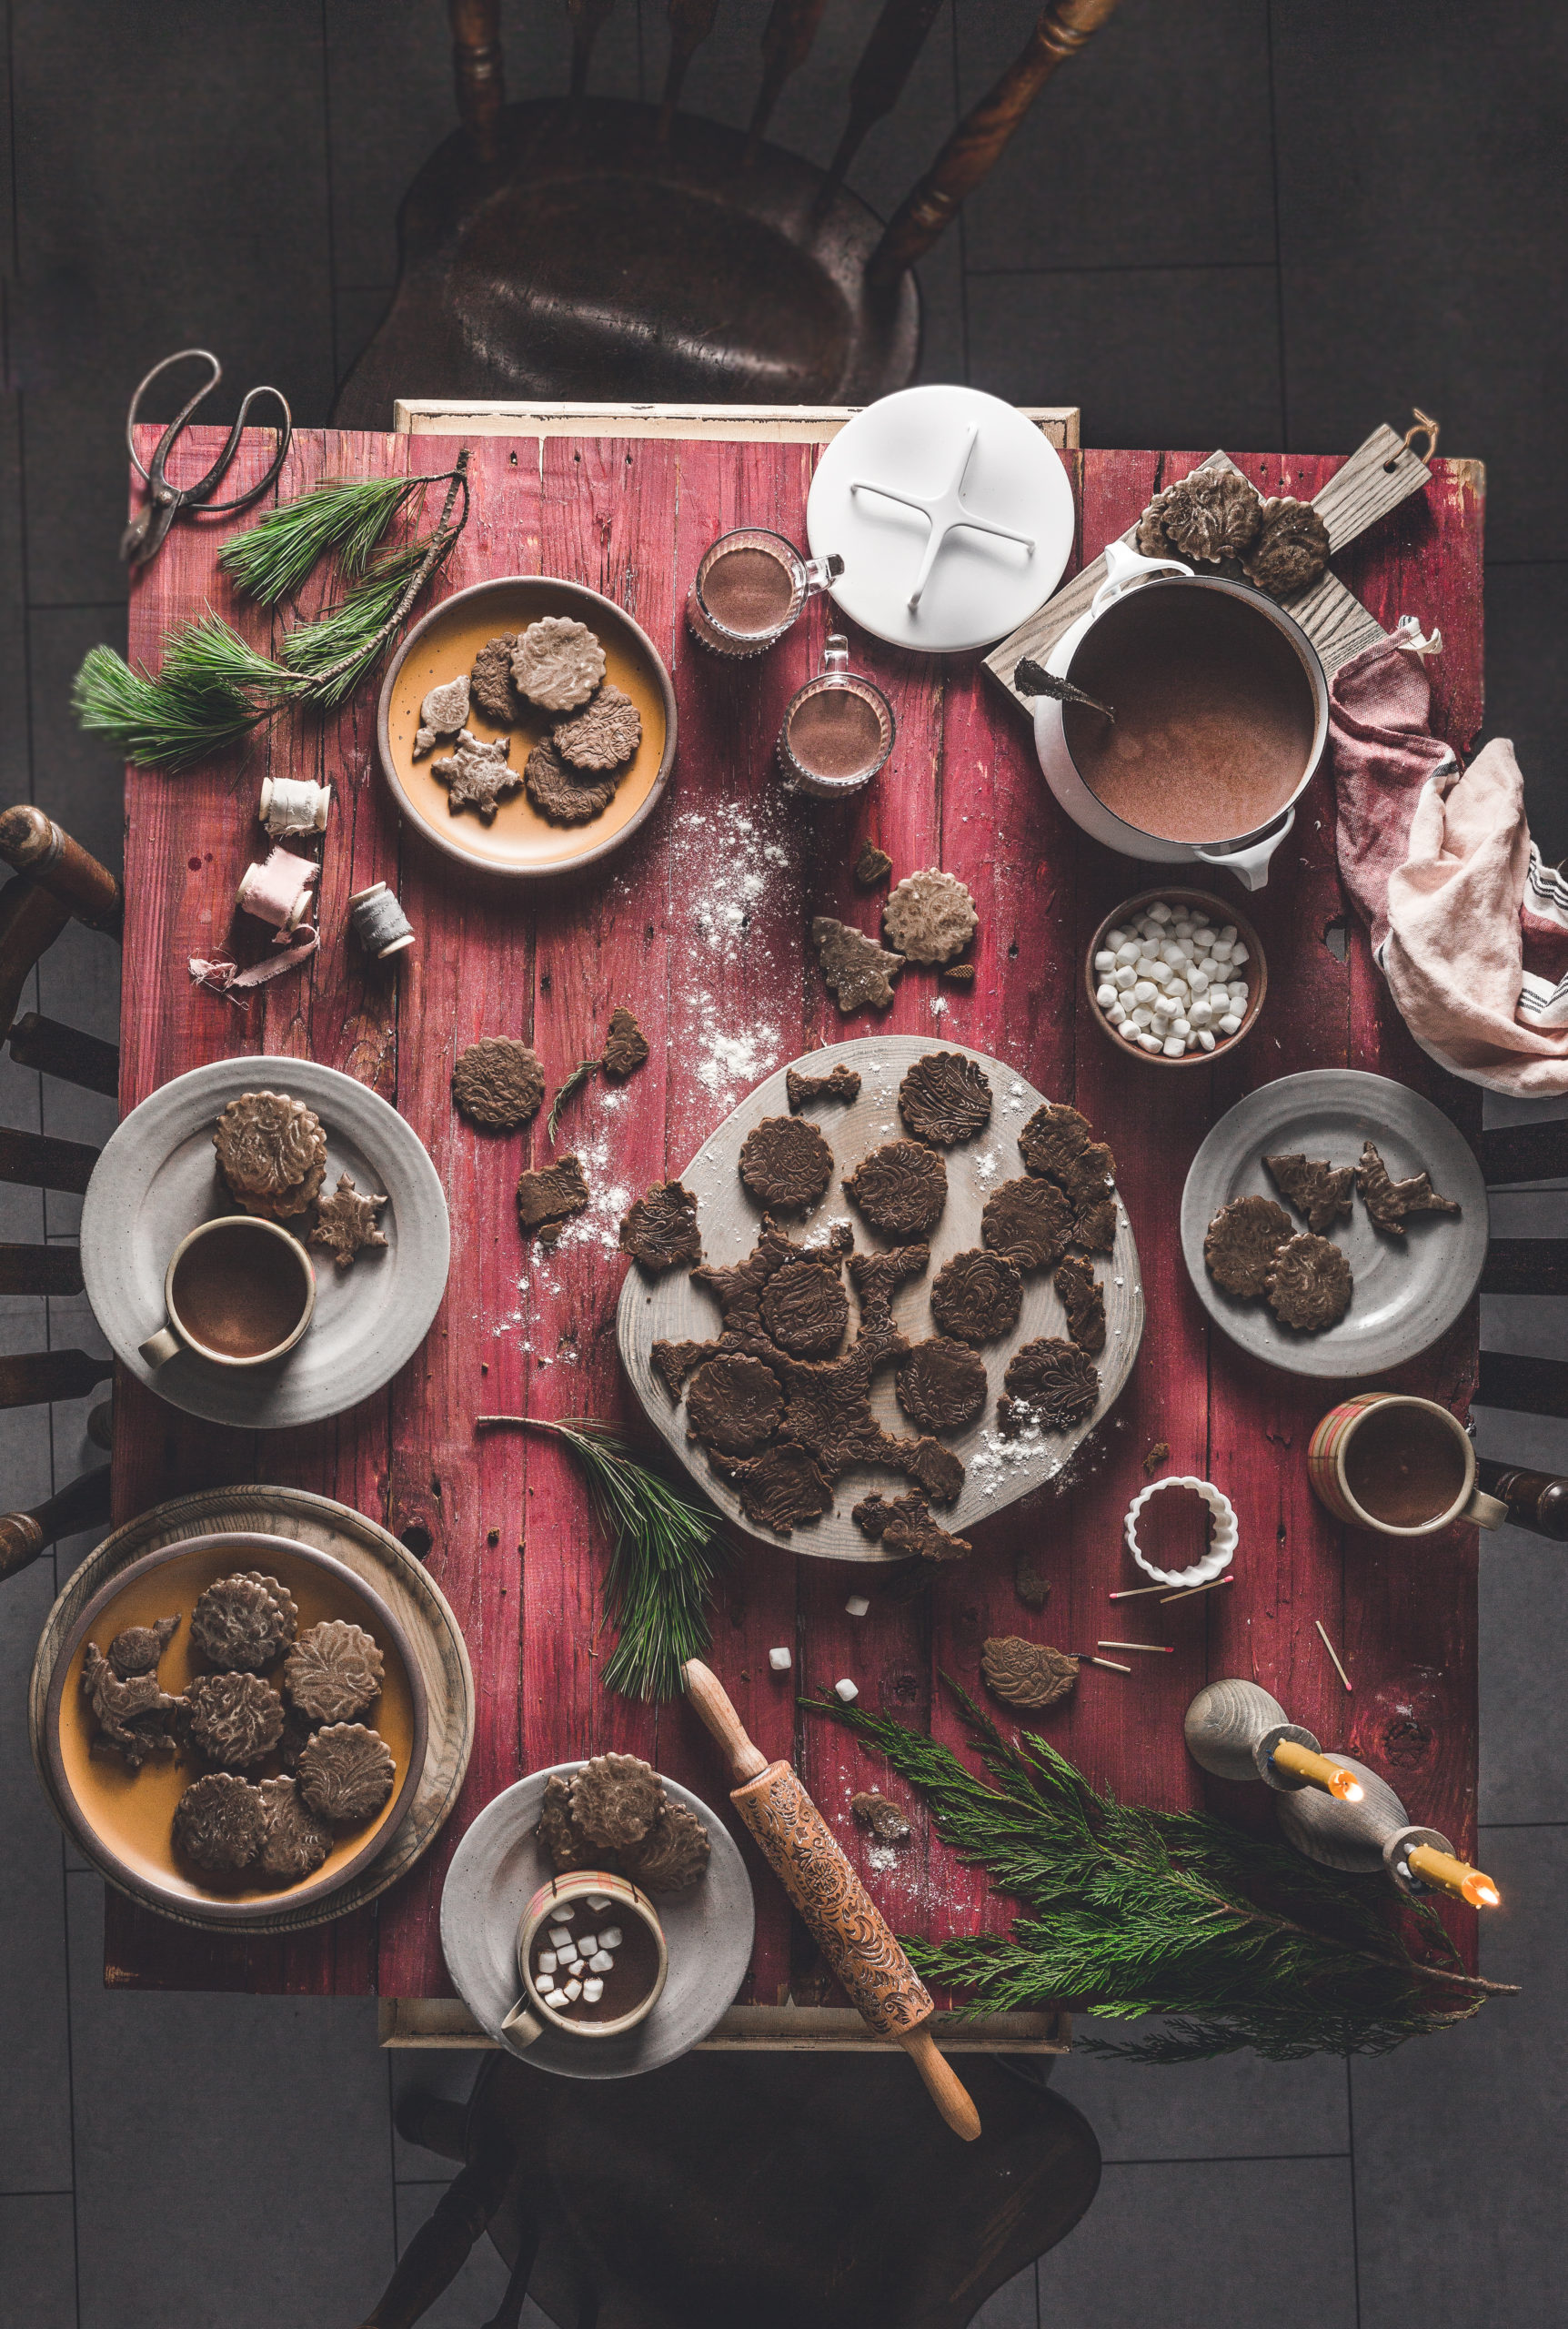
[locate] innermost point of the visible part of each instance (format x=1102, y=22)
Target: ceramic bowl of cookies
x=236, y=1726
x=1175, y=978
x=527, y=726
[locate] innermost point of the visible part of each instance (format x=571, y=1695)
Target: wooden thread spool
x=294, y=805
x=1236, y=1731
x=379, y=922
x=279, y=891
x=849, y=1928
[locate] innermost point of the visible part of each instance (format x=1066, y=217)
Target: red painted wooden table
x=700, y=924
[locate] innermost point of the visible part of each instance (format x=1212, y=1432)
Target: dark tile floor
x=1242, y=223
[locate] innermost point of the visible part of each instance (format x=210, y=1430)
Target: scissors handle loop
x=199, y=495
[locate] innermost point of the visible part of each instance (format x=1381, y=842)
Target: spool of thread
x=379, y=923
x=279, y=891
x=294, y=805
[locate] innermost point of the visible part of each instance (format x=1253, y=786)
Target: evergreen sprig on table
x=667, y=1555
x=213, y=689
x=1171, y=1913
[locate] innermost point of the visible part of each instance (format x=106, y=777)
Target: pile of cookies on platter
x=555, y=666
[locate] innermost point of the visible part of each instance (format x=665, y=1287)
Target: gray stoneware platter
x=158, y=1177
x=500, y=1866
x=1408, y=1291
x=669, y=1307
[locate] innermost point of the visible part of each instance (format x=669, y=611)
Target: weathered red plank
x=700, y=924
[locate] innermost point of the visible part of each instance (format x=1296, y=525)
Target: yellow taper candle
x=1319, y=1770
x=1454, y=1876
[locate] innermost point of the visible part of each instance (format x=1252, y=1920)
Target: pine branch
x=574, y=1082
x=273, y=558
x=1141, y=1911
x=667, y=1558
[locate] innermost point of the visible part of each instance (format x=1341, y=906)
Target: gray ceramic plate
x=1409, y=1290
x=157, y=1178
x=497, y=1870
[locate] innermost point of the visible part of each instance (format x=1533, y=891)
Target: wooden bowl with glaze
x=121, y=1819
x=1219, y=910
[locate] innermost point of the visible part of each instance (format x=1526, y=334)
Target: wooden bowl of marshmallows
x=1176, y=977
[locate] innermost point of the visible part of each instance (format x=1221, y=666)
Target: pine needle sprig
x=669, y=1553
x=1134, y=1911
x=271, y=559
x=574, y=1082
x=339, y=648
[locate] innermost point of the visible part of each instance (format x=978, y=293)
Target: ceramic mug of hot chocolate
x=749, y=589
x=592, y=1956
x=238, y=1291
x=1400, y=1466
x=839, y=729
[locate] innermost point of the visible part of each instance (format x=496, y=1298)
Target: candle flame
x=1348, y=1789
x=1481, y=1892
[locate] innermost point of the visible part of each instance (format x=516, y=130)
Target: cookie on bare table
x=499, y=1083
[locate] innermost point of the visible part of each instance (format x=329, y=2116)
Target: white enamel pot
x=1246, y=855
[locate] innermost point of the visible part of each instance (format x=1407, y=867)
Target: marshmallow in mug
x=1172, y=981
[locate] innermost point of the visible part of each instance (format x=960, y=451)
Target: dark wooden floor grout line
x=1279, y=258
x=1355, y=2217
x=62, y=2191
x=1129, y=266
x=1223, y=2158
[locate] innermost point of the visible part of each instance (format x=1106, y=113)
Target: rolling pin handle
x=948, y=2090
x=709, y=1696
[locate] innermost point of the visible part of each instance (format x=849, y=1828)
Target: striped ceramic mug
x=1400, y=1466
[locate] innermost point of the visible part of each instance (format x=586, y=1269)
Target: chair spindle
x=1536, y=1500
x=67, y=1053
x=1533, y=1151
x=1526, y=1266
x=35, y=845
x=478, y=72
x=977, y=144
x=587, y=20
x=787, y=39
x=40, y=1269
x=690, y=22
x=35, y=1161
x=886, y=61
x=31, y=1376
x=1528, y=1386
x=25, y=1535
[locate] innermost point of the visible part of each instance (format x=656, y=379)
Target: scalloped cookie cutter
x=1226, y=1534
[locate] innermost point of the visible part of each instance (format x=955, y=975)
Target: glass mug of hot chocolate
x=838, y=728
x=238, y=1291
x=593, y=1959
x=748, y=589
x=1399, y=1466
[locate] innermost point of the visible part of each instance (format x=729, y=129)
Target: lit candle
x=1318, y=1770
x=1455, y=1876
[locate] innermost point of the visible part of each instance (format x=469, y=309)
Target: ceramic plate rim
x=123, y=1175
x=517, y=1806
x=1059, y=492
x=1332, y=1356
x=445, y=842
x=216, y=1911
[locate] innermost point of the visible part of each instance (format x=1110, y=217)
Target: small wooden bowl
x=121, y=1819
x=1219, y=911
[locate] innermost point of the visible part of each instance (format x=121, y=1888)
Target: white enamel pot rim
x=1246, y=855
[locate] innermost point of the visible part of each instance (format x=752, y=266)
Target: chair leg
x=436, y=2255
x=434, y=2122
x=66, y=1052
x=24, y=1535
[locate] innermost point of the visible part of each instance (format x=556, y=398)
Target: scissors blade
x=144, y=536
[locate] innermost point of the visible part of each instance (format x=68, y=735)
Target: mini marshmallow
x=1105, y=995
x=1201, y=921
x=1174, y=1046
x=557, y=1999
x=1148, y=964
x=1160, y=913
x=1228, y=936
x=547, y=1963
x=781, y=1660
x=1220, y=953
x=592, y=1993
x=1114, y=938
x=1150, y=1043
x=847, y=1689
x=1240, y=953
x=1129, y=951
x=1180, y=1027
x=600, y=1961
x=574, y=1991
x=597, y=1900
x=1116, y=1012
x=1125, y=978
x=1206, y=1039
x=1182, y=926
x=1145, y=991
x=562, y=1913
x=1130, y=1030
x=1199, y=982
x=1199, y=1012
x=1142, y=1017
x=1104, y=961
x=857, y=1605
x=1230, y=1024
x=610, y=1936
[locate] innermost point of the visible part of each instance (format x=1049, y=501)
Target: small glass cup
x=839, y=729
x=748, y=589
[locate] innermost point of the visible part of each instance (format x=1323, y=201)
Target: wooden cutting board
x=998, y=1472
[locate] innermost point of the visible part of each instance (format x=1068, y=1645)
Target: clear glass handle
x=836, y=654
x=821, y=573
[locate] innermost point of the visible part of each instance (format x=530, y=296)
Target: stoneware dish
x=1220, y=913
x=501, y=1865
x=998, y=1471
x=1408, y=1290
x=520, y=843
x=121, y=1819
x=157, y=1178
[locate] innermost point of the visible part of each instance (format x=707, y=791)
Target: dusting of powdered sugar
x=724, y=860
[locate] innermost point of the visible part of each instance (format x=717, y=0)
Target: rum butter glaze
x=1215, y=714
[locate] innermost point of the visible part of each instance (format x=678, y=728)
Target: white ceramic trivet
x=954, y=516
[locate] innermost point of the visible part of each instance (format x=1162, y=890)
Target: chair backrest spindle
x=479, y=74
x=886, y=63
x=690, y=22
x=787, y=39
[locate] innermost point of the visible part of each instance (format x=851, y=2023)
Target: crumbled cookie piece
x=873, y=866
x=552, y=1193
x=858, y=970
x=843, y=1084
x=1082, y=1298
x=499, y=1083
x=881, y=1820
x=905, y=1528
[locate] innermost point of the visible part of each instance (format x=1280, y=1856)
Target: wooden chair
x=729, y=2188
x=1511, y=1154
x=593, y=248
x=55, y=882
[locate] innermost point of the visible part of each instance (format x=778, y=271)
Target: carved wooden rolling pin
x=801, y=1849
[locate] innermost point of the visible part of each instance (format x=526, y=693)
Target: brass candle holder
x=1332, y=1808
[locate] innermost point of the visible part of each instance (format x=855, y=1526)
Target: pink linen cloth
x=1467, y=925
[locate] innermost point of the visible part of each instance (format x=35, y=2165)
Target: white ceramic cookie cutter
x=1225, y=1534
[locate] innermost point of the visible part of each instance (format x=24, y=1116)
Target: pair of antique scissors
x=143, y=538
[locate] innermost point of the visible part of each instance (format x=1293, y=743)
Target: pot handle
x=1124, y=565
x=1249, y=866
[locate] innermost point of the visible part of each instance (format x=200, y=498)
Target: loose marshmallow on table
x=857, y=1605
x=847, y=1689
x=1171, y=981
x=779, y=1660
